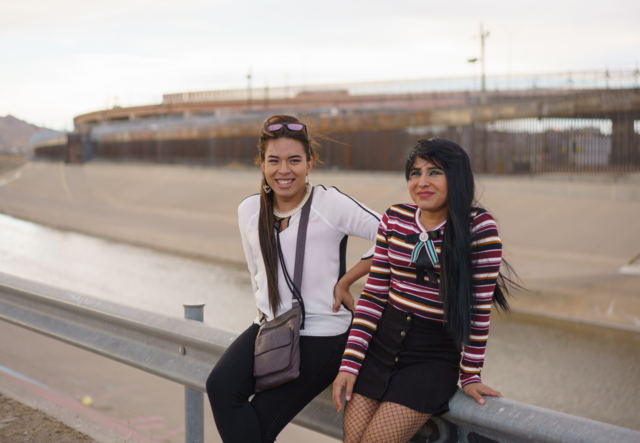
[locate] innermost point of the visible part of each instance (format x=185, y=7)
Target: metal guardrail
x=184, y=351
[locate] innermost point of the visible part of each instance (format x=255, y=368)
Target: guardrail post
x=193, y=399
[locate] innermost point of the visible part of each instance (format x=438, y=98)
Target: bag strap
x=301, y=242
x=296, y=285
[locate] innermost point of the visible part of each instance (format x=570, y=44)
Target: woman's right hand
x=343, y=380
x=342, y=294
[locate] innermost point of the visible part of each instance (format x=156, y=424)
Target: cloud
x=68, y=57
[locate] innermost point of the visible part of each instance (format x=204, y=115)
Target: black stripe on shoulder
x=356, y=202
x=248, y=196
x=406, y=207
x=404, y=212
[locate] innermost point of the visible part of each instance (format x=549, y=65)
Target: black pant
x=231, y=383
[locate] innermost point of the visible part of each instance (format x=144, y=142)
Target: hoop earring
x=265, y=185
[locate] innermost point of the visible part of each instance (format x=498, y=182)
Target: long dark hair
x=456, y=272
x=266, y=227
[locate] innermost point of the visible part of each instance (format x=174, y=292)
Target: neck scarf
x=424, y=255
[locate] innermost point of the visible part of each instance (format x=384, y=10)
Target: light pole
x=483, y=35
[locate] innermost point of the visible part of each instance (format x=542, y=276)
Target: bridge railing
x=184, y=351
x=594, y=79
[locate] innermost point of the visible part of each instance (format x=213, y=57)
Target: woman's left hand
x=342, y=294
x=477, y=390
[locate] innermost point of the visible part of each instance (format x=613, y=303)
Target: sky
x=59, y=59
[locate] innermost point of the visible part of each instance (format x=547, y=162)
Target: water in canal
x=587, y=371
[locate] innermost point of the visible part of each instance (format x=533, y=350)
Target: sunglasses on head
x=275, y=127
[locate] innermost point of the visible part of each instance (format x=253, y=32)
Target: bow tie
x=424, y=255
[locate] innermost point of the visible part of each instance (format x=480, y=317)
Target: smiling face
x=285, y=169
x=428, y=188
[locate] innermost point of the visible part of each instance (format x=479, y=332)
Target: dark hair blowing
x=456, y=272
x=266, y=227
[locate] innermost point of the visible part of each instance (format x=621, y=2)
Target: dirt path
x=20, y=423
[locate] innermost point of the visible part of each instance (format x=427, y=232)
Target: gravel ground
x=20, y=423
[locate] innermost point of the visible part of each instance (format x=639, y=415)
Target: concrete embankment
x=566, y=236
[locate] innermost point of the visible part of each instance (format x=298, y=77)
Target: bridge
x=557, y=122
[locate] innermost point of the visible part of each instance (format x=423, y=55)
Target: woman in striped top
x=427, y=299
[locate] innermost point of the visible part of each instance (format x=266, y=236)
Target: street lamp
x=483, y=35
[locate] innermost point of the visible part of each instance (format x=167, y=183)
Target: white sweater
x=333, y=217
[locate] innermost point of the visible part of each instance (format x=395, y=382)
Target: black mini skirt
x=411, y=361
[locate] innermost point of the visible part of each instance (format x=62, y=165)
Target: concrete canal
x=583, y=370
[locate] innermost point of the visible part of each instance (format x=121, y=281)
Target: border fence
x=185, y=350
x=522, y=146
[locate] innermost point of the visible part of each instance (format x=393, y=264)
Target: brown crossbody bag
x=277, y=352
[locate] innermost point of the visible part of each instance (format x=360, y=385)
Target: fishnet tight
x=369, y=421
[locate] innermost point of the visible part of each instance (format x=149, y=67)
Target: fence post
x=193, y=399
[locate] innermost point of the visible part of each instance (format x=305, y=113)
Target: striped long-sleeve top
x=392, y=280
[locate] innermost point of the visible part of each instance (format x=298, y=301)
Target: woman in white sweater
x=269, y=220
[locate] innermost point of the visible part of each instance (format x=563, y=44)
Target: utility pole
x=483, y=35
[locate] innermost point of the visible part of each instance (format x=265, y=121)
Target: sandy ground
x=20, y=423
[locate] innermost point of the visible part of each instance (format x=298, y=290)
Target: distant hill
x=15, y=135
